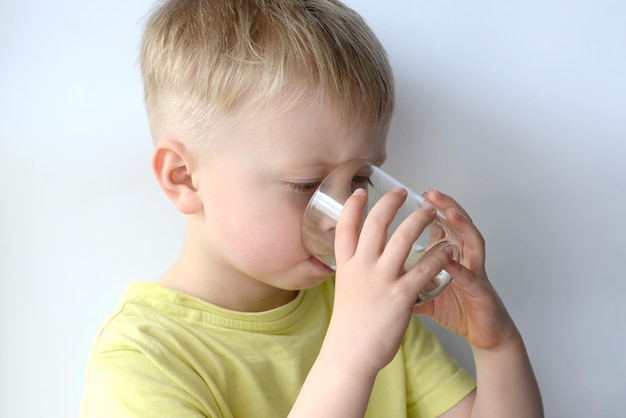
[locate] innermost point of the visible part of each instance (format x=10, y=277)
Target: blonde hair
x=202, y=60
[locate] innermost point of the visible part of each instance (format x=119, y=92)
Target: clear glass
x=323, y=210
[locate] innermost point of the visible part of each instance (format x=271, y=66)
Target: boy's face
x=255, y=188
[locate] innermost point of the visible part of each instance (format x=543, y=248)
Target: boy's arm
x=373, y=303
x=372, y=308
x=506, y=384
x=334, y=389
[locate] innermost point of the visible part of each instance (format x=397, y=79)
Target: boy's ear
x=173, y=167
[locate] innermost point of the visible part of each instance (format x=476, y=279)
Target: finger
x=444, y=202
x=401, y=242
x=471, y=286
x=473, y=241
x=348, y=226
x=429, y=266
x=373, y=236
x=464, y=280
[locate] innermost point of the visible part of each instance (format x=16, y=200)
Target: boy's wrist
x=509, y=338
x=506, y=380
x=337, y=355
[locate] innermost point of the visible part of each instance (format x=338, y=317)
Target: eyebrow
x=326, y=163
x=378, y=160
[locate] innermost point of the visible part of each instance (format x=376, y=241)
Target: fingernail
x=358, y=192
x=432, y=192
x=399, y=190
x=458, y=214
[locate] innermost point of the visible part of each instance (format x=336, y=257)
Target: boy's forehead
x=311, y=129
x=322, y=104
x=317, y=150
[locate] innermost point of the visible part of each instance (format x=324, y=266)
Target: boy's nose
x=319, y=227
x=327, y=209
x=327, y=224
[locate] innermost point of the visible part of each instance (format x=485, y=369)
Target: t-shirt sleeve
x=126, y=383
x=134, y=370
x=435, y=382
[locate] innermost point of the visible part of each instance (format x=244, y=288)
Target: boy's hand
x=374, y=300
x=374, y=294
x=470, y=306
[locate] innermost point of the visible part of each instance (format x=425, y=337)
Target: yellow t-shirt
x=167, y=354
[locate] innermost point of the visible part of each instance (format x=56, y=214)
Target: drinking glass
x=323, y=210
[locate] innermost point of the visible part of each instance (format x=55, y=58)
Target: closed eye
x=305, y=188
x=361, y=182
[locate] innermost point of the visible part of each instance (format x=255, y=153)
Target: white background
x=517, y=108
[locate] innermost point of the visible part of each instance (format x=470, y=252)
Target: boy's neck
x=237, y=294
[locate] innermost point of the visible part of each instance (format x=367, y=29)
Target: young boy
x=251, y=103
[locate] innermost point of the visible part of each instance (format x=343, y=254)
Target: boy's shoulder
x=149, y=314
x=142, y=309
